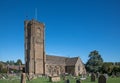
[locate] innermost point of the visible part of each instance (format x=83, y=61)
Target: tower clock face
x=39, y=36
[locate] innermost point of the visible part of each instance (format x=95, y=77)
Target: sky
x=72, y=27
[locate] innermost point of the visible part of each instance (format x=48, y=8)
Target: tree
x=19, y=62
x=107, y=67
x=4, y=70
x=94, y=64
x=116, y=70
x=11, y=62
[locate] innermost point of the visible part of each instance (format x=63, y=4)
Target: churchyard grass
x=46, y=80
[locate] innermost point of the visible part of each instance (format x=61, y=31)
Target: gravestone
x=118, y=74
x=102, y=79
x=63, y=76
x=113, y=75
x=78, y=81
x=89, y=74
x=23, y=78
x=92, y=77
x=83, y=77
x=97, y=75
x=67, y=81
x=106, y=76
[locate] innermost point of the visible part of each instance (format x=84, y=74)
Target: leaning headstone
x=101, y=79
x=92, y=77
x=23, y=78
x=78, y=81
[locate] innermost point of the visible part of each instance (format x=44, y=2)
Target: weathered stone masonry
x=37, y=62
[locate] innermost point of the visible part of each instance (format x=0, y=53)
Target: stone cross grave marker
x=92, y=77
x=102, y=79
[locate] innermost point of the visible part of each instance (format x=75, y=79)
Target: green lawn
x=45, y=80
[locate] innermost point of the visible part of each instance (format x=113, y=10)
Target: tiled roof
x=58, y=60
x=50, y=59
x=16, y=67
x=71, y=61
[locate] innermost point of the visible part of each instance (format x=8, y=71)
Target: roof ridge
x=56, y=56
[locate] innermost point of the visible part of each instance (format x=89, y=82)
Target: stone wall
x=54, y=70
x=34, y=47
x=79, y=68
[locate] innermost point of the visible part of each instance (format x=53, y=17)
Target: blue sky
x=72, y=27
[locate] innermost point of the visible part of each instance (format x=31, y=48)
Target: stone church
x=36, y=60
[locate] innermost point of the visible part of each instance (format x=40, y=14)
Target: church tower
x=34, y=47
